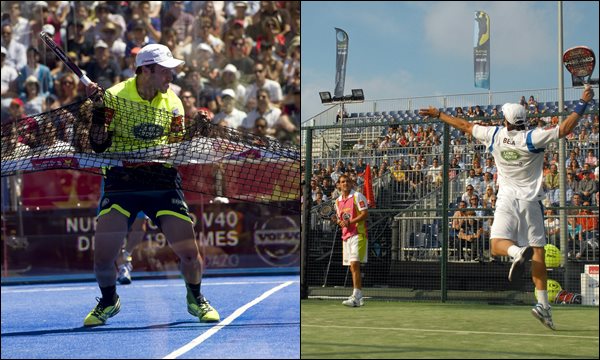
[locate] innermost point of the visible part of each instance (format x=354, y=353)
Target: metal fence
x=420, y=246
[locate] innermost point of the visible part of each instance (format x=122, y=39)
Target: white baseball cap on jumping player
x=514, y=113
x=156, y=54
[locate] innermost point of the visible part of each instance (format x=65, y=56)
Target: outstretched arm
x=567, y=126
x=458, y=123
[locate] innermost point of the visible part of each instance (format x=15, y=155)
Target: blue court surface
x=260, y=319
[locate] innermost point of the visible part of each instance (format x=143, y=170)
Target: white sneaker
x=353, y=301
x=517, y=267
x=124, y=277
x=543, y=315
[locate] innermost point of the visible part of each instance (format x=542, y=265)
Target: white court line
x=200, y=339
x=78, y=288
x=460, y=332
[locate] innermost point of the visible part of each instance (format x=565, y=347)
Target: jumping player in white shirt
x=518, y=228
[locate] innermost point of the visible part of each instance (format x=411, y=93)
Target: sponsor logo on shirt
x=510, y=155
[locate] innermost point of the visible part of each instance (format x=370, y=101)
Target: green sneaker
x=201, y=308
x=101, y=313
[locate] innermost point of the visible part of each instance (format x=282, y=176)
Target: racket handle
x=85, y=80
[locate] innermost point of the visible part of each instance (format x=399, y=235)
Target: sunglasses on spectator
x=259, y=70
x=6, y=33
x=260, y=126
x=67, y=82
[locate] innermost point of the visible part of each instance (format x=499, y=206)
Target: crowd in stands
x=242, y=58
x=410, y=157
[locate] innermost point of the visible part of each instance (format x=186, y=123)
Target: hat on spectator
x=138, y=24
x=17, y=101
x=232, y=69
x=4, y=51
x=514, y=113
x=205, y=47
x=31, y=79
x=109, y=26
x=41, y=4
x=241, y=3
x=228, y=92
x=101, y=44
x=157, y=54
x=48, y=28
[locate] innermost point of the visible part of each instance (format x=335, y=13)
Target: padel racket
x=64, y=58
x=580, y=62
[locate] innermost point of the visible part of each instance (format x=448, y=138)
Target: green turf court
x=386, y=329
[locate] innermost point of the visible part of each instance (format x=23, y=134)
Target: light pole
x=357, y=96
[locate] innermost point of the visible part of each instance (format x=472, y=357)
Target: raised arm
x=458, y=123
x=567, y=126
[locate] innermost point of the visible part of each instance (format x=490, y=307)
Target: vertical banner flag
x=368, y=187
x=481, y=50
x=340, y=62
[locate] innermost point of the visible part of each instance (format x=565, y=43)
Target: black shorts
x=154, y=204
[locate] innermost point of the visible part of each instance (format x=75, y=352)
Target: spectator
x=12, y=148
x=473, y=180
x=551, y=185
x=15, y=52
x=260, y=127
x=337, y=173
x=239, y=58
x=39, y=71
x=572, y=185
x=273, y=87
x=471, y=232
x=532, y=104
x=488, y=195
x=587, y=186
x=478, y=112
x=434, y=174
x=552, y=225
x=474, y=204
x=291, y=65
x=19, y=25
x=417, y=184
x=232, y=116
x=273, y=64
x=181, y=22
x=129, y=70
x=151, y=23
x=271, y=113
x=488, y=181
x=78, y=41
x=591, y=159
x=9, y=77
x=16, y=111
x=67, y=91
x=139, y=36
x=466, y=196
x=359, y=146
x=589, y=228
x=477, y=167
x=34, y=101
x=327, y=187
x=460, y=113
x=454, y=168
x=102, y=68
x=489, y=166
x=110, y=33
x=230, y=80
x=360, y=167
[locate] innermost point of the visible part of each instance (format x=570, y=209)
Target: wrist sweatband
x=580, y=107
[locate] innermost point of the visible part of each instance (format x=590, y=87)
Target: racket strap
x=580, y=107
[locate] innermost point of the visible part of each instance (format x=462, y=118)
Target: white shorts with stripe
x=354, y=249
x=519, y=220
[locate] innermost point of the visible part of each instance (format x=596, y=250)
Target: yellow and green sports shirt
x=138, y=123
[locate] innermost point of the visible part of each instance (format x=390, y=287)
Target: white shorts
x=354, y=249
x=520, y=221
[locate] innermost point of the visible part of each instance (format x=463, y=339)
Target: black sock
x=109, y=294
x=194, y=288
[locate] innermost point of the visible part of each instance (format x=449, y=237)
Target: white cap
x=48, y=29
x=514, y=113
x=4, y=51
x=205, y=47
x=101, y=44
x=228, y=92
x=232, y=69
x=157, y=54
x=40, y=4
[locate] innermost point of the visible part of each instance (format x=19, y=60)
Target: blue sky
x=403, y=49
